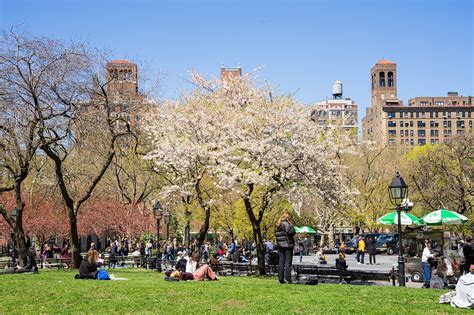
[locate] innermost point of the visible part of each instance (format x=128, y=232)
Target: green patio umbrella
x=443, y=216
x=305, y=229
x=392, y=218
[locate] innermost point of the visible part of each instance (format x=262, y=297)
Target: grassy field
x=147, y=292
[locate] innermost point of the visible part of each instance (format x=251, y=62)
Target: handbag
x=102, y=274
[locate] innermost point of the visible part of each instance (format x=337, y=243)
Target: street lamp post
x=398, y=192
x=167, y=217
x=158, y=212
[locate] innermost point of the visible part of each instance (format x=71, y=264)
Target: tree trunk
x=331, y=236
x=257, y=234
x=204, y=227
x=75, y=241
x=21, y=245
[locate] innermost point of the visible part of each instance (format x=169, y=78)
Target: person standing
x=301, y=250
x=425, y=265
x=468, y=253
x=284, y=234
x=356, y=247
x=361, y=248
x=371, y=249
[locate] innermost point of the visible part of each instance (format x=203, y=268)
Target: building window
x=417, y=115
x=421, y=124
x=434, y=124
x=436, y=115
x=391, y=115
x=411, y=133
x=401, y=123
x=434, y=133
x=412, y=142
x=460, y=132
x=469, y=114
x=401, y=133
x=434, y=141
x=400, y=114
x=470, y=123
x=382, y=79
x=421, y=141
x=463, y=114
x=431, y=114
x=423, y=114
x=406, y=133
x=406, y=115
x=447, y=133
x=392, y=124
x=449, y=114
x=411, y=115
x=421, y=133
x=407, y=141
x=391, y=141
x=390, y=79
x=460, y=124
x=392, y=132
x=439, y=103
x=424, y=103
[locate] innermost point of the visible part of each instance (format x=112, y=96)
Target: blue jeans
x=426, y=272
x=301, y=256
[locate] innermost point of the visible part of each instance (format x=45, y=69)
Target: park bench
x=60, y=263
x=321, y=273
x=332, y=273
x=5, y=263
x=229, y=268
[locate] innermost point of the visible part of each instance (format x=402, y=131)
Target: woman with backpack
x=284, y=234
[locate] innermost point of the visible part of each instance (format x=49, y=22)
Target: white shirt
x=426, y=254
x=191, y=265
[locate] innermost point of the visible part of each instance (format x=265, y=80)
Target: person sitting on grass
x=464, y=297
x=192, y=262
x=200, y=274
x=88, y=268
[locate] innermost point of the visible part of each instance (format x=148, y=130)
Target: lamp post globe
x=398, y=192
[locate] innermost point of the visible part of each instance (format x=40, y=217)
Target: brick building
x=425, y=119
x=122, y=90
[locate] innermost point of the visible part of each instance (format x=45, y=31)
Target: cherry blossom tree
x=248, y=141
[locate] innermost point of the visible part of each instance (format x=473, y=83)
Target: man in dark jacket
x=284, y=234
x=371, y=249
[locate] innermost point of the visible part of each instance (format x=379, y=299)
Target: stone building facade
x=426, y=120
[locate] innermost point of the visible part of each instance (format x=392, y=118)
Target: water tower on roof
x=337, y=89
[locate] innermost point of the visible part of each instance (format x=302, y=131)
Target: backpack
x=102, y=274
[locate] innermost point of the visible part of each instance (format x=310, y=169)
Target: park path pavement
x=384, y=263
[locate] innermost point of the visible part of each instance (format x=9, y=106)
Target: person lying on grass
x=200, y=274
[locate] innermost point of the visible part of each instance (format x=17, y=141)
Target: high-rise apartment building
x=425, y=119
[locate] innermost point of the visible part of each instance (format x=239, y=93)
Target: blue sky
x=303, y=45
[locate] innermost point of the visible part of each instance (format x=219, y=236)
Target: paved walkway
x=384, y=263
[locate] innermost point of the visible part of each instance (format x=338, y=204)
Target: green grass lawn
x=147, y=292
